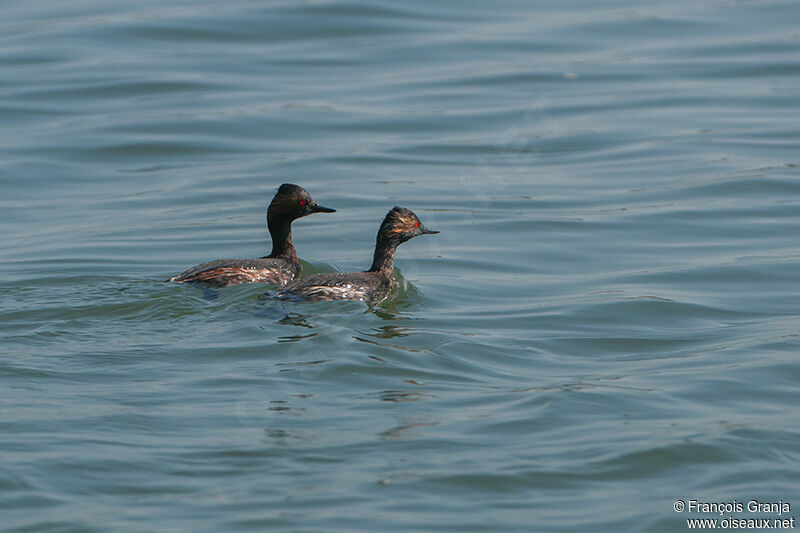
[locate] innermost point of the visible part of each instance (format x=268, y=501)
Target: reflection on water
x=387, y=332
x=400, y=396
x=405, y=430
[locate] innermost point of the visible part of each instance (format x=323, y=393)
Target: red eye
x=302, y=202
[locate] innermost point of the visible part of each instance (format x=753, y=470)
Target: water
x=607, y=323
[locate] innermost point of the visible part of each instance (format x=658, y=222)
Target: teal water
x=608, y=322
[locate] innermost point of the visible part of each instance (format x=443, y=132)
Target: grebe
x=375, y=284
x=282, y=265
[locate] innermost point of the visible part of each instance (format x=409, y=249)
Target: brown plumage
x=281, y=265
x=399, y=225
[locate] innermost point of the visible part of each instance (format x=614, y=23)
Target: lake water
x=608, y=322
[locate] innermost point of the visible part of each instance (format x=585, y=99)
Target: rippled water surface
x=608, y=322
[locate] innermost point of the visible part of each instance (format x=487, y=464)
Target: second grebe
x=375, y=284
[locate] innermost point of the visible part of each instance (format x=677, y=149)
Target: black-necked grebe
x=282, y=265
x=375, y=284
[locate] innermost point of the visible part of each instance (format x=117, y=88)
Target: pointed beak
x=428, y=231
x=320, y=209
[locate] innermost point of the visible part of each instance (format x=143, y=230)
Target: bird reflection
x=404, y=429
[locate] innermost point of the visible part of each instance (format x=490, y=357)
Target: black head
x=292, y=201
x=400, y=225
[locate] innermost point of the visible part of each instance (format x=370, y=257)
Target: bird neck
x=281, y=233
x=383, y=260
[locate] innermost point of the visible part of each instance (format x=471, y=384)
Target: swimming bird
x=374, y=285
x=281, y=265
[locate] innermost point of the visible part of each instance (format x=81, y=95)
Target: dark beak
x=320, y=209
x=427, y=231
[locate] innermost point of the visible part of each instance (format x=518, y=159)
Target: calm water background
x=609, y=320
